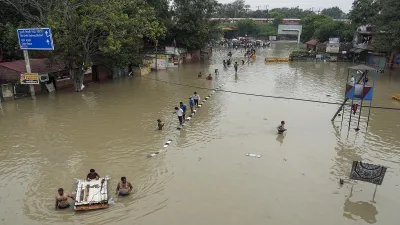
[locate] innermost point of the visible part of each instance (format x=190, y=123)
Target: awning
x=362, y=68
x=357, y=50
x=312, y=42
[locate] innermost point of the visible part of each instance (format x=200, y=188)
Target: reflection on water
x=204, y=174
x=364, y=210
x=280, y=138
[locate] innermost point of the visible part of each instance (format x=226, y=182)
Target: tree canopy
x=84, y=31
x=294, y=12
x=334, y=12
x=191, y=25
x=364, y=11
x=387, y=26
x=110, y=32
x=323, y=27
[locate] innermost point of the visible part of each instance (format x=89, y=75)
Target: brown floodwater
x=204, y=176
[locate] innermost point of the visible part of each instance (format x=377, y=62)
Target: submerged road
x=204, y=176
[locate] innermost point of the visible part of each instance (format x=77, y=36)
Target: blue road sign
x=35, y=39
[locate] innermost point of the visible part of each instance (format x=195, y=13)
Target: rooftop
x=12, y=70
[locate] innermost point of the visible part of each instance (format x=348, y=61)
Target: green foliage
x=10, y=19
x=364, y=11
x=387, y=27
x=251, y=28
x=236, y=9
x=277, y=21
x=257, y=13
x=275, y=14
x=294, y=12
x=192, y=28
x=310, y=25
x=266, y=29
x=247, y=27
x=334, y=12
x=9, y=47
x=111, y=29
x=322, y=27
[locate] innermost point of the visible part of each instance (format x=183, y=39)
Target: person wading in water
x=184, y=109
x=191, y=103
x=236, y=67
x=92, y=175
x=196, y=98
x=124, y=187
x=281, y=128
x=179, y=113
x=62, y=199
x=160, y=124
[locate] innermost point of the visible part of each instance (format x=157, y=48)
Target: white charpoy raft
x=91, y=194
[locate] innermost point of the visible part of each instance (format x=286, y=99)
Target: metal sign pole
x=28, y=70
x=156, y=55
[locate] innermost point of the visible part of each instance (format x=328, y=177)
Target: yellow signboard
x=29, y=78
x=162, y=57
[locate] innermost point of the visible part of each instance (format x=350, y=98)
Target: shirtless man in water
x=62, y=199
x=92, y=175
x=124, y=187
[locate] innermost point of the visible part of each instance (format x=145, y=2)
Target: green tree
x=277, y=20
x=322, y=27
x=312, y=23
x=266, y=29
x=9, y=49
x=84, y=30
x=14, y=14
x=294, y=12
x=364, y=11
x=32, y=11
x=235, y=9
x=192, y=28
x=334, y=12
x=277, y=16
x=256, y=14
x=247, y=27
x=387, y=27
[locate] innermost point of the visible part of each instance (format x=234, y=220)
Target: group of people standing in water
x=209, y=77
x=182, y=109
x=124, y=188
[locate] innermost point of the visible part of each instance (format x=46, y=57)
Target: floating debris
x=253, y=155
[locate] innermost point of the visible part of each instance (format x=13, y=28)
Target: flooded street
x=204, y=176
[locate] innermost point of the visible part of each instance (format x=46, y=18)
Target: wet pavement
x=205, y=177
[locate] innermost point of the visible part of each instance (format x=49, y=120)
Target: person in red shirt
x=354, y=108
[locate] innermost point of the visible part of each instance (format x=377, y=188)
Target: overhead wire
x=267, y=96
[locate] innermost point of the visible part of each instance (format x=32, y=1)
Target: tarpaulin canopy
x=357, y=50
x=362, y=67
x=312, y=42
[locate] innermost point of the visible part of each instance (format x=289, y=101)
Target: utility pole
x=28, y=70
x=266, y=9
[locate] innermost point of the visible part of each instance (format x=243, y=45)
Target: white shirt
x=196, y=97
x=179, y=112
x=352, y=81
